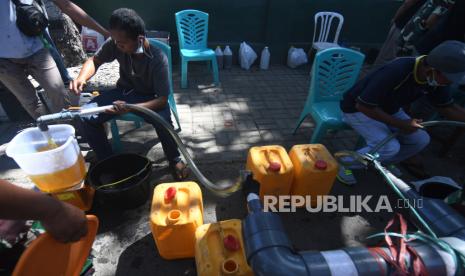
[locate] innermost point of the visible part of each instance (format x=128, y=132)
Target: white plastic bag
x=91, y=40
x=247, y=56
x=296, y=57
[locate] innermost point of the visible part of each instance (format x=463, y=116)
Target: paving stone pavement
x=248, y=108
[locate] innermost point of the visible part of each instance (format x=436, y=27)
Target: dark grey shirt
x=146, y=75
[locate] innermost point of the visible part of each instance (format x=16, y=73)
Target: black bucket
x=122, y=180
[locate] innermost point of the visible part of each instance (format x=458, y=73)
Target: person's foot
x=180, y=171
x=346, y=176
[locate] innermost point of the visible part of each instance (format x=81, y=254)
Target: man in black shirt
x=373, y=107
x=144, y=81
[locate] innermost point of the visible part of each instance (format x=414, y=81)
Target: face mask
x=140, y=49
x=432, y=80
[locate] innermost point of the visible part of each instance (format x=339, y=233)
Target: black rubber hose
x=222, y=190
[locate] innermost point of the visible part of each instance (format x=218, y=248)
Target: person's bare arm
x=87, y=71
x=407, y=4
x=155, y=104
x=80, y=16
x=63, y=221
x=378, y=114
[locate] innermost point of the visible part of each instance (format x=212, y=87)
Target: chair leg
x=184, y=73
x=174, y=109
x=216, y=78
x=318, y=134
x=116, y=141
x=299, y=122
x=176, y=117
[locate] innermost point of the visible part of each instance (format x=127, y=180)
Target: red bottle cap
x=170, y=193
x=274, y=166
x=321, y=165
x=231, y=243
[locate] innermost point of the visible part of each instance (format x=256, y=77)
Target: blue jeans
x=94, y=131
x=398, y=149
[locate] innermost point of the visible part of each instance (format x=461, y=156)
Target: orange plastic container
x=48, y=257
x=272, y=168
x=315, y=170
x=177, y=211
x=81, y=196
x=219, y=249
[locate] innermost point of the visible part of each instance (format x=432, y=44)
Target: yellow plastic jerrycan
x=177, y=211
x=272, y=168
x=219, y=249
x=315, y=170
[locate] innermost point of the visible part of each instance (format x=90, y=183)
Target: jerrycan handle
x=273, y=165
x=314, y=155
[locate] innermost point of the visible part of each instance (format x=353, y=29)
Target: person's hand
x=410, y=126
x=118, y=108
x=77, y=86
x=65, y=223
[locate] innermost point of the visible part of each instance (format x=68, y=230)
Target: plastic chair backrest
x=334, y=71
x=47, y=257
x=166, y=49
x=325, y=20
x=192, y=27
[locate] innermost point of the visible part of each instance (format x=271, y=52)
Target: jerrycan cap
x=321, y=165
x=231, y=243
x=274, y=166
x=170, y=194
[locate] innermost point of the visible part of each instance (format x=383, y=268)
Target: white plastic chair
x=326, y=20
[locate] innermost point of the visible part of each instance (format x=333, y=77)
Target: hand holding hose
x=76, y=86
x=414, y=123
x=119, y=107
x=410, y=126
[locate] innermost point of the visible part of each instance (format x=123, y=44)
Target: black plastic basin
x=122, y=180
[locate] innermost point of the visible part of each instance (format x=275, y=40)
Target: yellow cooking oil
x=62, y=179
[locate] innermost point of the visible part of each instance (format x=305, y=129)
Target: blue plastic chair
x=131, y=117
x=192, y=27
x=334, y=71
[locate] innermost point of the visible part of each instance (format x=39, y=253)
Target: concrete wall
x=276, y=23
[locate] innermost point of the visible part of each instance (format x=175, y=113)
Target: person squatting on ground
x=373, y=107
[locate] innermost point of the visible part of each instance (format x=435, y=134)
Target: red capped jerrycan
x=177, y=211
x=272, y=168
x=315, y=170
x=219, y=249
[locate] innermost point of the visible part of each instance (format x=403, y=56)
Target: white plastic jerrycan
x=265, y=59
x=51, y=170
